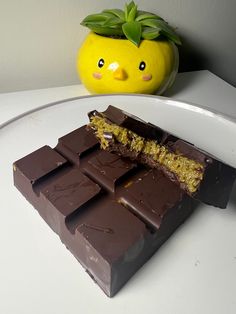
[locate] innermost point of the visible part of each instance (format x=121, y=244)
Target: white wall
x=39, y=39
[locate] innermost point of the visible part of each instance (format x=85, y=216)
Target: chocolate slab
x=110, y=212
x=218, y=178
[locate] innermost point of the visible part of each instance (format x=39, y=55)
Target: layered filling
x=188, y=172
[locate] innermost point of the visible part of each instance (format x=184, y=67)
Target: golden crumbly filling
x=188, y=171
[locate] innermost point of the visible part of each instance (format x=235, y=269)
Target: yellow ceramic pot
x=109, y=65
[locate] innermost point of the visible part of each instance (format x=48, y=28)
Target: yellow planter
x=109, y=65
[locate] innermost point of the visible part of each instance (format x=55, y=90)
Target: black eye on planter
x=101, y=63
x=142, y=65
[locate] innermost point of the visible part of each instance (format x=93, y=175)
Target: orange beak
x=120, y=74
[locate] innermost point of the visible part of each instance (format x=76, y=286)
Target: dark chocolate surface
x=110, y=212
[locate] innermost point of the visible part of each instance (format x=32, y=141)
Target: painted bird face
x=109, y=65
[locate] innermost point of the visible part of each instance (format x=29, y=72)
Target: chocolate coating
x=110, y=212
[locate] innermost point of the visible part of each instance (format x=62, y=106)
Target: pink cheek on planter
x=97, y=75
x=147, y=77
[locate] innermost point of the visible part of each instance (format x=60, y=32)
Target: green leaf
x=112, y=22
x=106, y=31
x=142, y=15
x=132, y=31
x=132, y=14
x=117, y=12
x=150, y=23
x=168, y=31
x=128, y=8
x=94, y=18
x=165, y=29
x=150, y=33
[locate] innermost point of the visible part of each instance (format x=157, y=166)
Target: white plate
x=194, y=272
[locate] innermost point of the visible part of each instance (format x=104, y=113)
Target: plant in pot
x=128, y=51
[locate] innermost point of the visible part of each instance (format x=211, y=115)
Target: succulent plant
x=131, y=23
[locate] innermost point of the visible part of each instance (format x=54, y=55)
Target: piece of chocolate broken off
x=202, y=176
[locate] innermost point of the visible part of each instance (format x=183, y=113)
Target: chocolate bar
x=112, y=213
x=112, y=193
x=201, y=175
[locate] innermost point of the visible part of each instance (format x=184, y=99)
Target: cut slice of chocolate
x=201, y=175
